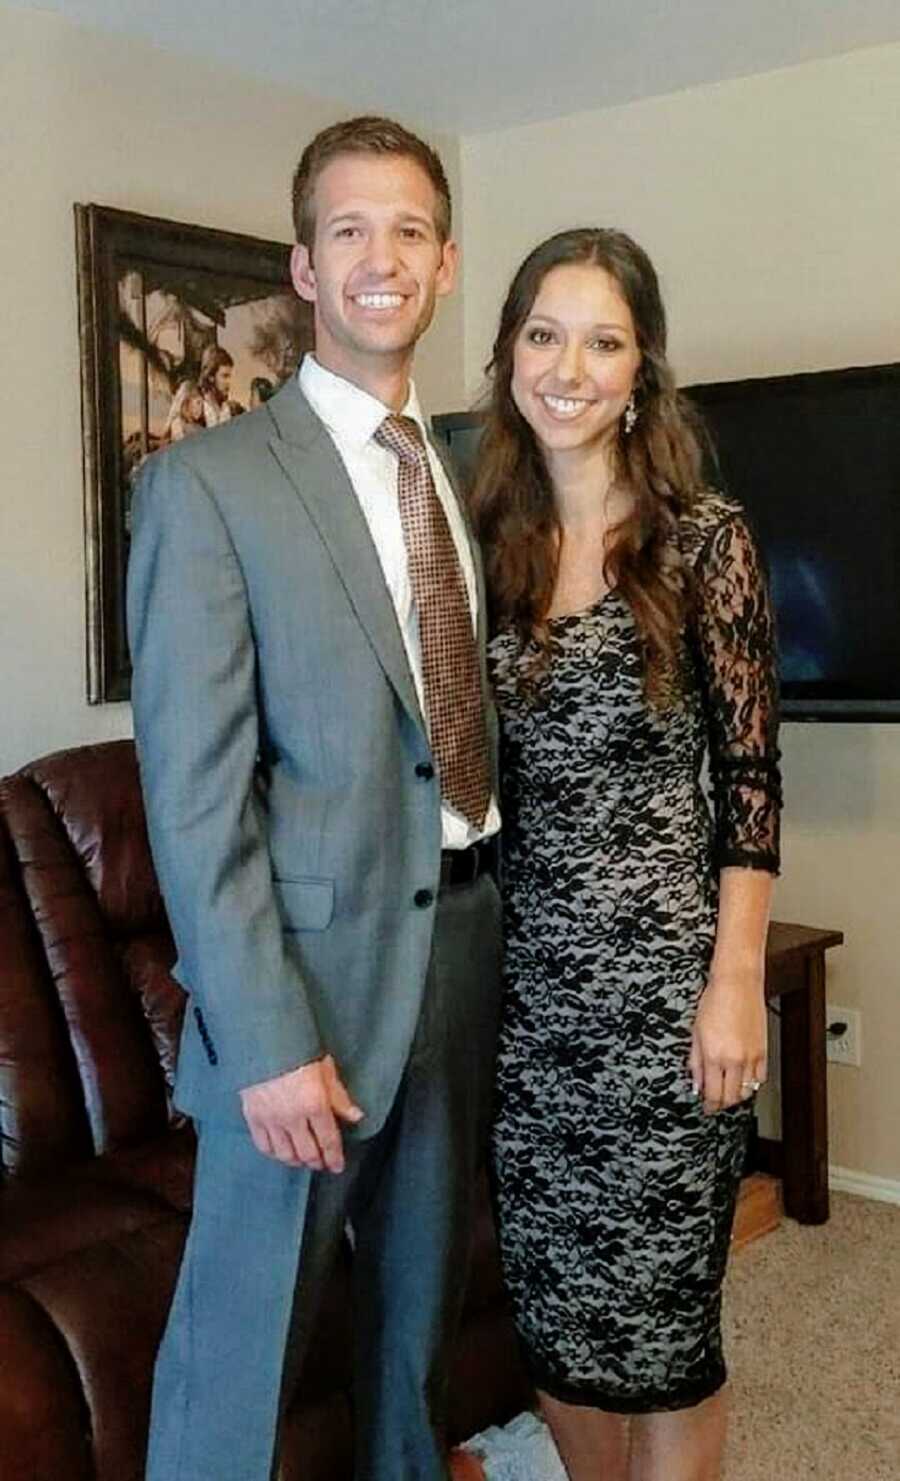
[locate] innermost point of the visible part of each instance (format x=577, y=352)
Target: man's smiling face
x=377, y=264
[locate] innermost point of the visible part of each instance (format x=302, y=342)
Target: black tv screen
x=815, y=461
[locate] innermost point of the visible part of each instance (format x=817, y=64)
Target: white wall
x=94, y=119
x=771, y=206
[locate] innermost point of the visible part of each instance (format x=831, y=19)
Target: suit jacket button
x=423, y=898
x=425, y=771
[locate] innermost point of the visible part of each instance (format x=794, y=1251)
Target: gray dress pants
x=264, y=1237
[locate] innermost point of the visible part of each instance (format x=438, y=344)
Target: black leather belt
x=464, y=865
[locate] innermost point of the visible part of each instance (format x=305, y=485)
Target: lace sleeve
x=736, y=643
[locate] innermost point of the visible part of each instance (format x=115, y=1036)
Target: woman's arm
x=728, y=1054
x=736, y=642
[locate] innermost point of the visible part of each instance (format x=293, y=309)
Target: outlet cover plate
x=845, y=1048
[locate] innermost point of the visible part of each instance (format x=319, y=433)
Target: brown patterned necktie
x=451, y=676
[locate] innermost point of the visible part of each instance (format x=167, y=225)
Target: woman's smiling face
x=576, y=359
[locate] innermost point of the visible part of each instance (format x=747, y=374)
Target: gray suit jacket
x=279, y=736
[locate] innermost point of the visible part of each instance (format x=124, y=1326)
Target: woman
x=633, y=634
x=185, y=413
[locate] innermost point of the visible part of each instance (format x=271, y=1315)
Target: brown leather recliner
x=96, y=1168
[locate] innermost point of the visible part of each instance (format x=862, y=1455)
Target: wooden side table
x=795, y=976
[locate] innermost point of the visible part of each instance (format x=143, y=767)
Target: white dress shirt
x=352, y=417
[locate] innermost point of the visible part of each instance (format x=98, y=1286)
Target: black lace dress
x=615, y=1194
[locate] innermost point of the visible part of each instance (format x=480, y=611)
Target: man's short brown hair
x=366, y=135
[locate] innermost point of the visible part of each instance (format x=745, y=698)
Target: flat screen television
x=815, y=461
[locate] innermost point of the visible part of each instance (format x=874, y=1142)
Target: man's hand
x=294, y=1118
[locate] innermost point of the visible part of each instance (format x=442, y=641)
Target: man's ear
x=446, y=274
x=303, y=274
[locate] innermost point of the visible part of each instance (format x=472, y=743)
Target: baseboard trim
x=845, y=1180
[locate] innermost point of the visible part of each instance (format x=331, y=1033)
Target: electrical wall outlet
x=843, y=1035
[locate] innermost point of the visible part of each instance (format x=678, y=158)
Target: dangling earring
x=631, y=416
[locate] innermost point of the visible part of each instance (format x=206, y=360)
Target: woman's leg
x=681, y=1445
x=592, y=1443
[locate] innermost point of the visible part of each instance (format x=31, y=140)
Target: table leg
x=804, y=1101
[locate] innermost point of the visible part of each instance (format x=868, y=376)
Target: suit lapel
x=309, y=459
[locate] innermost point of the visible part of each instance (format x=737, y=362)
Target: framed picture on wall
x=182, y=328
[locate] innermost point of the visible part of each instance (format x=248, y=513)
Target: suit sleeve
x=196, y=726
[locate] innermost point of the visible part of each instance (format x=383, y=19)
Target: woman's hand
x=728, y=1052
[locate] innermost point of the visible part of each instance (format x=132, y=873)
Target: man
x=307, y=616
x=216, y=370
x=261, y=388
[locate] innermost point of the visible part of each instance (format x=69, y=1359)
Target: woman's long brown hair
x=659, y=463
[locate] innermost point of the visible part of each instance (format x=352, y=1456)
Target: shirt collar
x=349, y=412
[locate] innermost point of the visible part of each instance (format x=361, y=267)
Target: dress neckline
x=584, y=611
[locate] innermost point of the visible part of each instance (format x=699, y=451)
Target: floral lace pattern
x=614, y=1192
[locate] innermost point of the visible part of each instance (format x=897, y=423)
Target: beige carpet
x=812, y=1322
